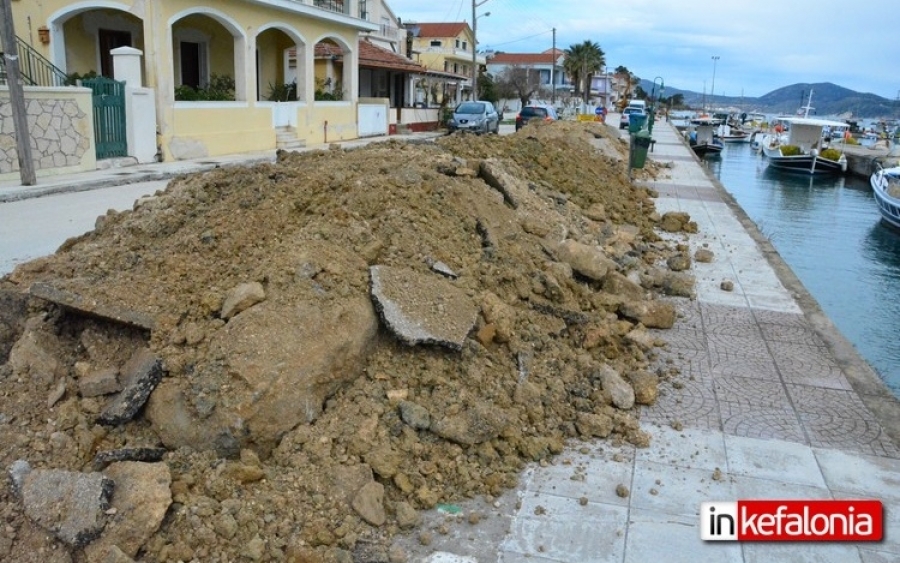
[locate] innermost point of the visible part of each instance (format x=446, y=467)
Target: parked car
x=477, y=117
x=626, y=116
x=545, y=113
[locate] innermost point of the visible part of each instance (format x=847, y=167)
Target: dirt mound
x=296, y=423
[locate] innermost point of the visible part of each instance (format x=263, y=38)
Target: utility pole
x=16, y=95
x=475, y=4
x=552, y=73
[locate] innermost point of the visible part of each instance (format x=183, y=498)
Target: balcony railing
x=338, y=6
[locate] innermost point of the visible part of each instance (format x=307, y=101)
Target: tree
x=487, y=88
x=518, y=82
x=583, y=60
x=629, y=80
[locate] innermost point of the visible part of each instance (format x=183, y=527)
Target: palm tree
x=582, y=61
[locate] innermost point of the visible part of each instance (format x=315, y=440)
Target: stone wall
x=60, y=123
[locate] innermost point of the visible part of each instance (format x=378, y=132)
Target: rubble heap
x=288, y=361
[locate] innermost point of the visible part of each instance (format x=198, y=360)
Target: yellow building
x=446, y=48
x=227, y=76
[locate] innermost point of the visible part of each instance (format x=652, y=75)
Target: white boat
x=804, y=150
x=681, y=120
x=886, y=187
x=703, y=138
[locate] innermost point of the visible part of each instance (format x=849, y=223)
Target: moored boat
x=886, y=188
x=703, y=138
x=803, y=150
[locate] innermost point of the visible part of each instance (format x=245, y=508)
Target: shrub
x=831, y=154
x=220, y=88
x=790, y=150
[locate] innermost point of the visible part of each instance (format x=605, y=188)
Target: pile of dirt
x=329, y=343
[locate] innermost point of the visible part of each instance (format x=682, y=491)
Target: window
x=191, y=58
x=465, y=45
x=457, y=43
x=456, y=67
x=446, y=66
x=435, y=42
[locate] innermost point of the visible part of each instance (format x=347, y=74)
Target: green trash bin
x=640, y=145
x=636, y=122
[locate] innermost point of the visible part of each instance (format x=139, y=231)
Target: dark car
x=543, y=113
x=477, y=117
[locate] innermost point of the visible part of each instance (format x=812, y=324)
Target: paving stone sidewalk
x=771, y=402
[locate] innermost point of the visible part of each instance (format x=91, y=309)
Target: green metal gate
x=109, y=116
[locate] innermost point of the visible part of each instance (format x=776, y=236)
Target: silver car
x=477, y=117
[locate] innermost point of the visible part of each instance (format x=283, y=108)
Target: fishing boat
x=802, y=149
x=886, y=187
x=703, y=138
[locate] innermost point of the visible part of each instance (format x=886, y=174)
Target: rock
x=422, y=309
x=620, y=392
x=444, y=270
x=415, y=415
x=347, y=480
x=102, y=459
x=474, y=425
x=679, y=263
x=243, y=473
x=486, y=334
x=242, y=298
x=56, y=394
x=591, y=424
x=141, y=374
x=68, y=504
x=13, y=314
x=407, y=515
x=622, y=491
x=645, y=385
x=727, y=285
x=34, y=353
x=640, y=337
x=677, y=284
x=112, y=555
x=100, y=382
x=596, y=212
x=651, y=314
x=617, y=284
x=704, y=255
x=288, y=361
x=255, y=549
x=495, y=174
x=676, y=221
x=369, y=503
x=589, y=261
x=499, y=315
x=141, y=500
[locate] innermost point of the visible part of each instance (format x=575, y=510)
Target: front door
x=110, y=39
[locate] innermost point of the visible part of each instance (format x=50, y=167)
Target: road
x=32, y=228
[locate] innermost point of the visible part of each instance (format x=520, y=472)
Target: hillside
x=828, y=99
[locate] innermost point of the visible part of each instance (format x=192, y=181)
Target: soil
x=307, y=228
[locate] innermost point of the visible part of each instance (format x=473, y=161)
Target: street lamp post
x=475, y=17
x=712, y=90
x=654, y=100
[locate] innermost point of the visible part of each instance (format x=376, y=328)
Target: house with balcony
x=446, y=50
x=232, y=76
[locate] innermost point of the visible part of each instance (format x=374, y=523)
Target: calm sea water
x=829, y=232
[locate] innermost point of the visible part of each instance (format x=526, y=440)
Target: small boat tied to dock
x=886, y=188
x=804, y=149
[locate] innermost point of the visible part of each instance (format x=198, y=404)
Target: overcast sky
x=762, y=45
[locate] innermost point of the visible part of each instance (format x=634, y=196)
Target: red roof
x=439, y=29
x=373, y=56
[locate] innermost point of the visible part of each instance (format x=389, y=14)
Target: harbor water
x=829, y=232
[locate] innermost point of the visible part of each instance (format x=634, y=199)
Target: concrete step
x=286, y=139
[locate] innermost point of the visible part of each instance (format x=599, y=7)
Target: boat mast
x=808, y=105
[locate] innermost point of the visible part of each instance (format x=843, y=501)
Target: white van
x=639, y=104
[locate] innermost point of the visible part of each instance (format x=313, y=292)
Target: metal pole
x=552, y=73
x=475, y=4
x=712, y=90
x=16, y=96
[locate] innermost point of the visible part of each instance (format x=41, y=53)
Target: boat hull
x=888, y=206
x=706, y=149
x=805, y=164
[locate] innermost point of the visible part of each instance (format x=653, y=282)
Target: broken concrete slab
x=242, y=298
x=102, y=459
x=143, y=496
x=99, y=382
x=141, y=374
x=91, y=307
x=70, y=505
x=422, y=309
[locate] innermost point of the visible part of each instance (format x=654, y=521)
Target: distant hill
x=828, y=99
